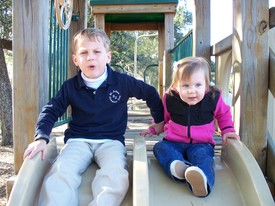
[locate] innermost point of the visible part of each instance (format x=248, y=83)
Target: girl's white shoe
x=197, y=180
x=178, y=169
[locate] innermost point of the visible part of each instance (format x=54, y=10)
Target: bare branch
x=6, y=44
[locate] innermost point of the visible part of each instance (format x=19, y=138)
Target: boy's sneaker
x=178, y=169
x=197, y=180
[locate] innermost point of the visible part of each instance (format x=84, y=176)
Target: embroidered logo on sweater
x=114, y=96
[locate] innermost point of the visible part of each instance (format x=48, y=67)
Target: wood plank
x=148, y=8
x=130, y=2
x=201, y=31
x=223, y=74
x=272, y=72
x=222, y=46
x=271, y=17
x=100, y=21
x=160, y=59
x=132, y=27
x=30, y=71
x=250, y=51
x=168, y=44
x=80, y=7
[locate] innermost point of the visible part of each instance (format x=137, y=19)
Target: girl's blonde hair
x=185, y=67
x=91, y=34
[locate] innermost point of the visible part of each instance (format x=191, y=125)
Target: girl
x=190, y=107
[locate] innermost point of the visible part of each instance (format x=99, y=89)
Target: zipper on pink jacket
x=188, y=125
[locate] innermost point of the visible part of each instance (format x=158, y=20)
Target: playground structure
x=249, y=51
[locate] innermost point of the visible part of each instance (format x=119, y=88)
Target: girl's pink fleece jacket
x=196, y=123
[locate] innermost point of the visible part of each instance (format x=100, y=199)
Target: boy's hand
x=154, y=129
x=34, y=148
x=231, y=135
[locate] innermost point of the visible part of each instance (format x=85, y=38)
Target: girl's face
x=91, y=56
x=192, y=90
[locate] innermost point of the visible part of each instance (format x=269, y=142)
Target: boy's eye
x=83, y=52
x=198, y=85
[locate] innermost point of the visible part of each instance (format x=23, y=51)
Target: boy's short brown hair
x=92, y=34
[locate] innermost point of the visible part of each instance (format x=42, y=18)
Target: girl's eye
x=198, y=85
x=185, y=85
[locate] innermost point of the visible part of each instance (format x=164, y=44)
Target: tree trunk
x=5, y=102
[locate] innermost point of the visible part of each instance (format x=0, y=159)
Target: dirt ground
x=6, y=171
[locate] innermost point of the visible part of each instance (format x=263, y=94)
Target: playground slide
x=239, y=181
x=29, y=179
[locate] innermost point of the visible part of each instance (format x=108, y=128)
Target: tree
x=5, y=84
x=182, y=21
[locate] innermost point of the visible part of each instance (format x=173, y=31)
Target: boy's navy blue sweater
x=101, y=113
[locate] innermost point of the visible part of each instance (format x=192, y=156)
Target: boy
x=98, y=98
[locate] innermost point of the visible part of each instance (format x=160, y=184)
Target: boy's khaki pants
x=60, y=186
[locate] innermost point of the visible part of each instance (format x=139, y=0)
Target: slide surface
x=239, y=181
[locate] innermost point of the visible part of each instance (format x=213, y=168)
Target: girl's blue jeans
x=200, y=155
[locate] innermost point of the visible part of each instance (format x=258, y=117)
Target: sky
x=222, y=27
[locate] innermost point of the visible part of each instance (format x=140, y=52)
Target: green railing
x=117, y=68
x=184, y=48
x=58, y=58
x=150, y=75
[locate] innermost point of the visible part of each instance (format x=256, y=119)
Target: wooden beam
x=30, y=71
x=161, y=77
x=132, y=27
x=223, y=73
x=138, y=8
x=222, y=46
x=100, y=21
x=168, y=44
x=250, y=53
x=80, y=8
x=201, y=31
x=271, y=17
x=272, y=72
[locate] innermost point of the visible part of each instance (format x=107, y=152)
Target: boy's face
x=192, y=90
x=91, y=56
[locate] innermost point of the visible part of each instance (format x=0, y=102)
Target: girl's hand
x=154, y=129
x=34, y=148
x=150, y=131
x=231, y=135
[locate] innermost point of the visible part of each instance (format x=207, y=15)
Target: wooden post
x=271, y=117
x=223, y=59
x=250, y=67
x=223, y=73
x=80, y=7
x=100, y=21
x=168, y=44
x=202, y=27
x=30, y=71
x=161, y=77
